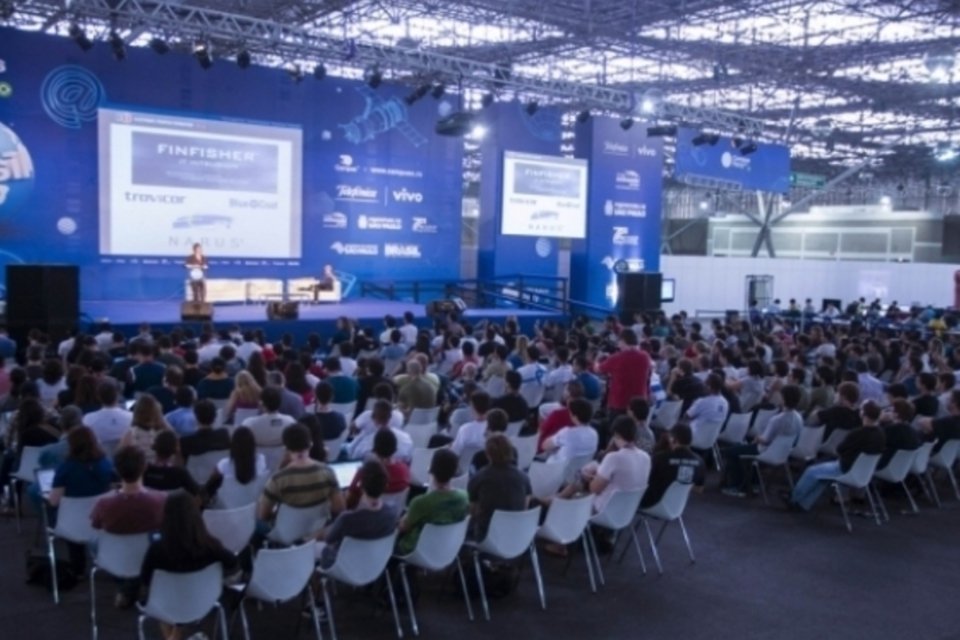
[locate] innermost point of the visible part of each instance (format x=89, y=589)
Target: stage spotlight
x=478, y=132
x=417, y=94
x=652, y=101
x=531, y=107
x=320, y=72
x=438, y=90
x=201, y=51
x=662, y=131
x=706, y=138
x=79, y=36
x=159, y=45
x=748, y=148
x=244, y=59
x=583, y=116
x=296, y=74
x=372, y=76
x=886, y=202
x=117, y=46
x=626, y=123
x=486, y=100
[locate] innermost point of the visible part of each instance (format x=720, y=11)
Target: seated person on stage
x=328, y=280
x=370, y=518
x=868, y=439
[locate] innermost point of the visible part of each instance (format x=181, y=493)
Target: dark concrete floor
x=761, y=572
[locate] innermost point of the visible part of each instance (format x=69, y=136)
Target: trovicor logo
x=403, y=195
x=357, y=193
x=153, y=198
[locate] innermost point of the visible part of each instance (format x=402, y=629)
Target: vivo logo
x=407, y=196
x=646, y=151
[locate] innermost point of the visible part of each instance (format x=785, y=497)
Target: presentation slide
x=544, y=196
x=168, y=181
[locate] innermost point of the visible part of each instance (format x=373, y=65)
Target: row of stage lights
x=373, y=77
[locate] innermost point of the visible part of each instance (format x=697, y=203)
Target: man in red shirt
x=561, y=417
x=628, y=373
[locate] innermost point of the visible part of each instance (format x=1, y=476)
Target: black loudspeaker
x=283, y=310
x=445, y=307
x=196, y=311
x=639, y=292
x=43, y=297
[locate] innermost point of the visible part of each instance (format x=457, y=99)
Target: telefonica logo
x=357, y=193
x=407, y=196
x=615, y=148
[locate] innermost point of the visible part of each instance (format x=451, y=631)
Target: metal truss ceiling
x=837, y=79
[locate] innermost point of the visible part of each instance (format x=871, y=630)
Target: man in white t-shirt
x=268, y=427
x=110, y=422
x=555, y=379
x=711, y=408
x=409, y=329
x=473, y=435
x=381, y=416
x=248, y=347
x=532, y=374
x=627, y=468
x=576, y=442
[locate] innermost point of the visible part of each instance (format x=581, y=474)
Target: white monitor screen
x=168, y=181
x=544, y=196
x=345, y=472
x=668, y=290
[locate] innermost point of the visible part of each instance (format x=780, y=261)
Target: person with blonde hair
x=148, y=421
x=245, y=395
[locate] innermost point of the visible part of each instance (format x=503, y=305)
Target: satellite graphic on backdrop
x=380, y=116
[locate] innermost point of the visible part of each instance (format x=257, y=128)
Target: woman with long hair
x=147, y=422
x=257, y=367
x=245, y=395
x=244, y=464
x=296, y=378
x=184, y=546
x=31, y=427
x=85, y=395
x=51, y=382
x=86, y=471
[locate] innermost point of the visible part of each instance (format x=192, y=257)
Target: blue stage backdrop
x=623, y=222
x=379, y=196
x=722, y=164
x=511, y=128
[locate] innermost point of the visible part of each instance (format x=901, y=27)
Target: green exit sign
x=807, y=180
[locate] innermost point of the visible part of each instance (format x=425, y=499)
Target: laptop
x=345, y=472
x=45, y=481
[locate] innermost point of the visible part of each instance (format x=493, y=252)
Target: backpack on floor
x=38, y=572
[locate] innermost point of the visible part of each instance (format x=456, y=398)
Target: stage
x=126, y=316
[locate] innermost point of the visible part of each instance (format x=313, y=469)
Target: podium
x=196, y=311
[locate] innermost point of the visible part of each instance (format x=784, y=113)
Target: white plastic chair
x=667, y=414
x=239, y=415
x=278, y=576
x=945, y=459
x=346, y=409
x=829, y=447
x=458, y=418
x=526, y=450
x=514, y=428
x=466, y=457
x=921, y=469
x=858, y=477
x=460, y=482
x=121, y=556
x=808, y=443
x=546, y=478
x=437, y=548
x=509, y=536
x=896, y=471
x=293, y=524
x=777, y=454
x=763, y=417
x=359, y=563
x=617, y=516
x=201, y=467
x=420, y=465
x=73, y=525
x=736, y=430
x=705, y=439
x=23, y=476
x=184, y=598
x=565, y=523
x=424, y=416
x=234, y=528
x=272, y=456
x=232, y=494
x=669, y=509
x=397, y=500
x=335, y=446
x=421, y=433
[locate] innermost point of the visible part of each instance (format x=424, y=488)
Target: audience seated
x=165, y=472
x=673, y=461
x=441, y=505
x=205, y=438
x=576, y=442
x=398, y=473
x=497, y=486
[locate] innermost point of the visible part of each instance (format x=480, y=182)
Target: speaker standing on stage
x=197, y=265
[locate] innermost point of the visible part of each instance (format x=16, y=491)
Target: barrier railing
x=521, y=291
